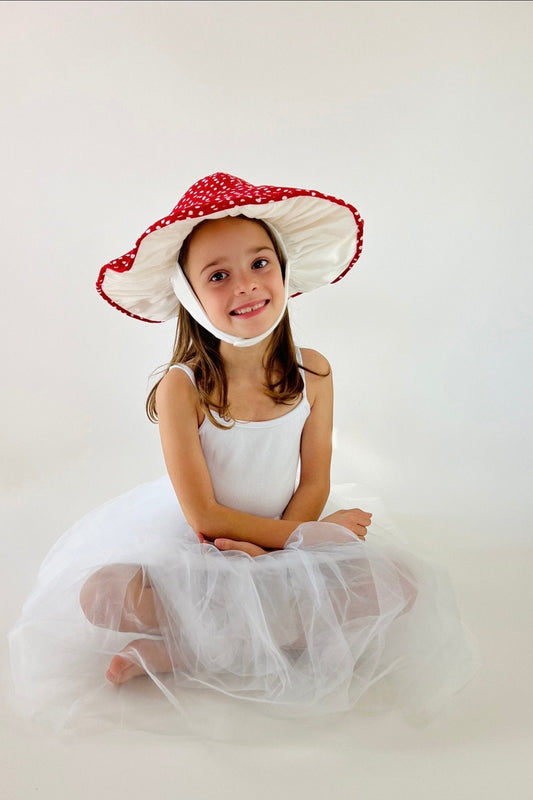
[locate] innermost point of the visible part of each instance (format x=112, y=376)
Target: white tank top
x=254, y=465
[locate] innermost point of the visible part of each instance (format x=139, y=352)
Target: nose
x=245, y=283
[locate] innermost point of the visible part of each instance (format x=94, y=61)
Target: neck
x=244, y=359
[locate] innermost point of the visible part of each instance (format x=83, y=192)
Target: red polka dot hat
x=322, y=237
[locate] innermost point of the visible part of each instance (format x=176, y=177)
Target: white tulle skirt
x=325, y=625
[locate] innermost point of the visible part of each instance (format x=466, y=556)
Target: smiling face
x=233, y=268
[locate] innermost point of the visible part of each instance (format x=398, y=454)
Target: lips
x=248, y=310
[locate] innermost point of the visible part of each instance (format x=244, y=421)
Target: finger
x=361, y=532
x=244, y=547
x=364, y=516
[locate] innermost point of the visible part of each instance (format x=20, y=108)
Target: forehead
x=228, y=231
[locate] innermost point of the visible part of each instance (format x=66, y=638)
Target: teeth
x=249, y=308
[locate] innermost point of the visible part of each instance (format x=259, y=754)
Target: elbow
x=203, y=519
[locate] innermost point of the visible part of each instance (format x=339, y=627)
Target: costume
x=327, y=623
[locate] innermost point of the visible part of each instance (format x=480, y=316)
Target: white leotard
x=254, y=465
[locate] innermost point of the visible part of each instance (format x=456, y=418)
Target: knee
x=103, y=595
x=409, y=591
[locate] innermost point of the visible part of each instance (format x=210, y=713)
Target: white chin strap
x=186, y=296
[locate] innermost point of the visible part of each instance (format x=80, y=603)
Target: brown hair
x=200, y=350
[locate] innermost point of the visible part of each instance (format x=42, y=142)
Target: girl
x=225, y=574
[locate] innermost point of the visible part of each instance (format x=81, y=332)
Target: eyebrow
x=250, y=252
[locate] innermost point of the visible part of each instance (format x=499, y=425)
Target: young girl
x=224, y=574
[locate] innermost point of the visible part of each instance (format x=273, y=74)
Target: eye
x=217, y=276
x=260, y=263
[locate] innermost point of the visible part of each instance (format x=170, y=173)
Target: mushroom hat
x=320, y=236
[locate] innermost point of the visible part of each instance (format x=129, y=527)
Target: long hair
x=200, y=350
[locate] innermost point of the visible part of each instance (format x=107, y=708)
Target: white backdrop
x=419, y=113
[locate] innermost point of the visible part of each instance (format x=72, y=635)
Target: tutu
x=328, y=623
x=324, y=625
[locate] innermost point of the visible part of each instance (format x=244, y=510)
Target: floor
x=480, y=747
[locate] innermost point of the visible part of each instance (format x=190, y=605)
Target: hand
x=354, y=519
x=233, y=544
x=244, y=547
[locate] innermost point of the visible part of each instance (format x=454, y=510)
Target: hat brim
x=322, y=238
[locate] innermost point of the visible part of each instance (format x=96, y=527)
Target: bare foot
x=129, y=662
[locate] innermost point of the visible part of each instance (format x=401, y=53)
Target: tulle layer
x=327, y=624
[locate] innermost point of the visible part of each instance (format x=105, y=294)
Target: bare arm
x=309, y=499
x=315, y=450
x=179, y=415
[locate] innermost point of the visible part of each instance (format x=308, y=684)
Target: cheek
x=278, y=285
x=215, y=302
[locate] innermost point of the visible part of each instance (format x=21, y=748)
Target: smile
x=247, y=311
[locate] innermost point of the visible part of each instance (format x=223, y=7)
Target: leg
x=138, y=657
x=120, y=597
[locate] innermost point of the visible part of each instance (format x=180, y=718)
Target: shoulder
x=315, y=361
x=317, y=374
x=175, y=389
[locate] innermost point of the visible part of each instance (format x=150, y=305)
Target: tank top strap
x=188, y=371
x=302, y=372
